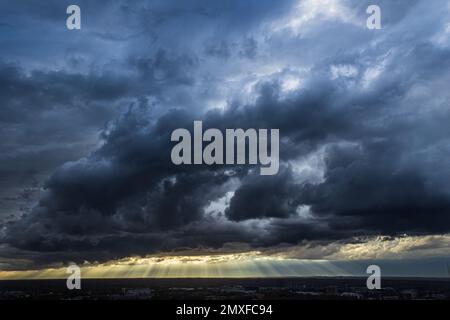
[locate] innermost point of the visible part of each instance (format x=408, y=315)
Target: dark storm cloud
x=374, y=112
x=52, y=116
x=264, y=197
x=369, y=186
x=41, y=115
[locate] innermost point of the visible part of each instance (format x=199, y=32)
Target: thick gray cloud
x=363, y=117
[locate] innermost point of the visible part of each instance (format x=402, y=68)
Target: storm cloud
x=363, y=118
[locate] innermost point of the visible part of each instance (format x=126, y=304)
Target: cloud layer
x=363, y=118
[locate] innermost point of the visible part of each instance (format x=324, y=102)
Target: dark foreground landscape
x=343, y=288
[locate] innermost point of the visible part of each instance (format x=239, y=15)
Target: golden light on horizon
x=330, y=259
x=250, y=264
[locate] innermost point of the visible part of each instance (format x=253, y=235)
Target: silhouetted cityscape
x=230, y=289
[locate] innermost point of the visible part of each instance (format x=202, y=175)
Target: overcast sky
x=86, y=117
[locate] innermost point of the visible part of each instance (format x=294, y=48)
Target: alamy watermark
x=74, y=279
x=374, y=20
x=374, y=280
x=237, y=142
x=73, y=21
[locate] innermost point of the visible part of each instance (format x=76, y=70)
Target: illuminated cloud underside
x=298, y=261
